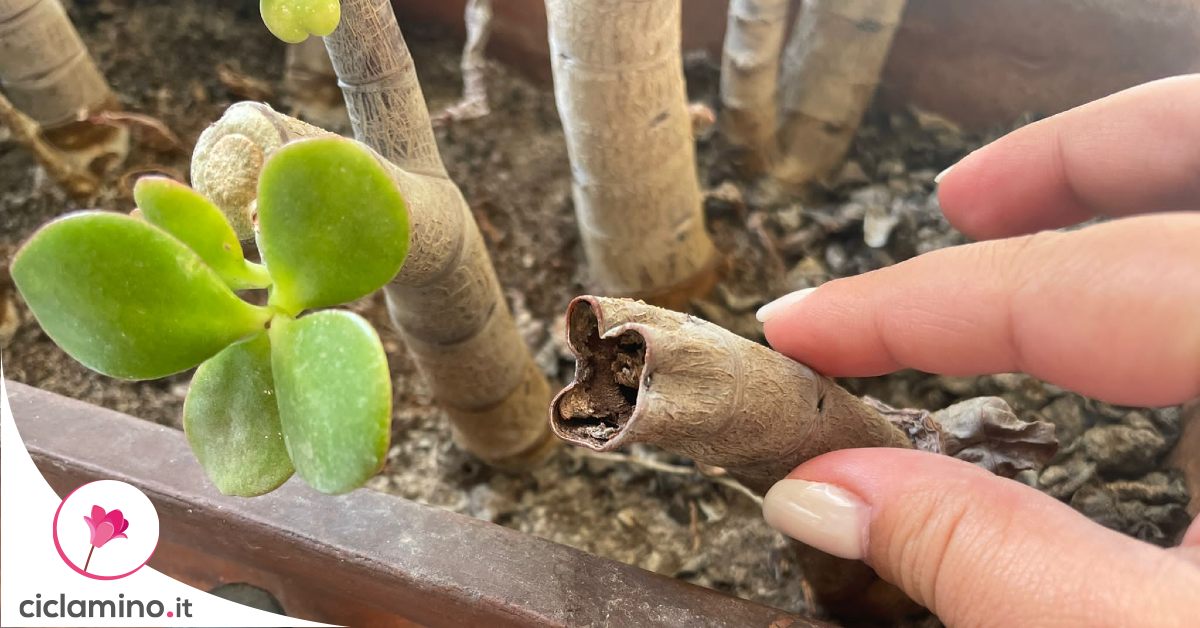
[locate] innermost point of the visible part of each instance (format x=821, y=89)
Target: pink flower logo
x=105, y=526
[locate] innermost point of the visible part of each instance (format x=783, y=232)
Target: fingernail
x=821, y=515
x=942, y=174
x=778, y=305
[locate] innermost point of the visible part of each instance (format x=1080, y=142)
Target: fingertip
x=968, y=544
x=961, y=194
x=827, y=329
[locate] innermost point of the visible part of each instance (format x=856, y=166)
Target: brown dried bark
x=618, y=84
x=644, y=374
x=47, y=73
x=445, y=301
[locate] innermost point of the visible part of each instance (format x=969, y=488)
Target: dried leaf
x=985, y=431
x=155, y=134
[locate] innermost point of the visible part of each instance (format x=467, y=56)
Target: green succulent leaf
x=126, y=299
x=194, y=220
x=335, y=397
x=231, y=420
x=332, y=225
x=294, y=20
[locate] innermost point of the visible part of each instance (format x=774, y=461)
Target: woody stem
x=89, y=559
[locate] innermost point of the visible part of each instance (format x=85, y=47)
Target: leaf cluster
x=278, y=390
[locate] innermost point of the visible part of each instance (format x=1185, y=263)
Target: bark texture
x=49, y=74
x=830, y=71
x=618, y=83
x=445, y=301
x=749, y=80
x=379, y=82
x=644, y=374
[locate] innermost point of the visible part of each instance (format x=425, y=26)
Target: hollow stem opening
x=608, y=374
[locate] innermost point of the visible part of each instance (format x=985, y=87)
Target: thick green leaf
x=332, y=225
x=335, y=397
x=232, y=420
x=126, y=299
x=293, y=20
x=187, y=215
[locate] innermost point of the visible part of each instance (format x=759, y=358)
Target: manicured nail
x=821, y=515
x=778, y=305
x=938, y=178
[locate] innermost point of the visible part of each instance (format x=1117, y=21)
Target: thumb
x=977, y=549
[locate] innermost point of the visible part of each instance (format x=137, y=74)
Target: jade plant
x=280, y=388
x=447, y=305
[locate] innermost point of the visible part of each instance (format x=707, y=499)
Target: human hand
x=1111, y=311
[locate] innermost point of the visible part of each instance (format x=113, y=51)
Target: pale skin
x=1111, y=311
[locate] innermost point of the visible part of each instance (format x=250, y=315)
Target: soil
x=181, y=62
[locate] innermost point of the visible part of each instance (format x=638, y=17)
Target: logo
x=106, y=530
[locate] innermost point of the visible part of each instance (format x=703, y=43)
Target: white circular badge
x=106, y=529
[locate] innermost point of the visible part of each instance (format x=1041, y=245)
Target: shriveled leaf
x=335, y=397
x=126, y=299
x=293, y=20
x=982, y=430
x=986, y=432
x=231, y=419
x=332, y=225
x=195, y=221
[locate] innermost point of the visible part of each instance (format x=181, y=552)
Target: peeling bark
x=830, y=71
x=445, y=301
x=48, y=74
x=644, y=374
x=749, y=80
x=618, y=84
x=474, y=103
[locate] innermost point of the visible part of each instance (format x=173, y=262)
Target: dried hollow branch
x=645, y=374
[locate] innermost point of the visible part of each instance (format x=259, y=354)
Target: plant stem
x=749, y=80
x=618, y=83
x=645, y=374
x=830, y=70
x=446, y=300
x=474, y=102
x=79, y=183
x=47, y=72
x=89, y=559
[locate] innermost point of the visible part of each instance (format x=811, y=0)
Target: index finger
x=1111, y=311
x=1137, y=151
